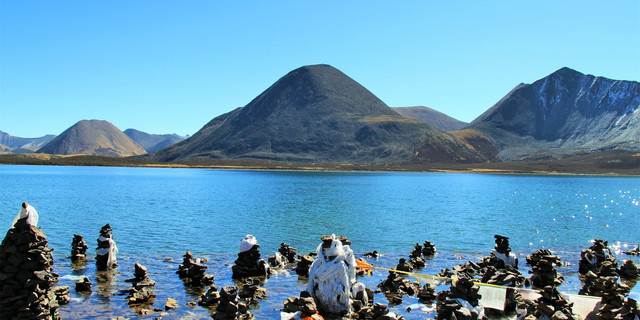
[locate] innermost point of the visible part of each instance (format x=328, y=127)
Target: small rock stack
x=426, y=294
x=428, y=249
x=394, y=283
x=304, y=264
x=142, y=291
x=448, y=307
x=612, y=302
x=210, y=298
x=304, y=304
x=78, y=248
x=230, y=308
x=103, y=256
x=630, y=310
x=415, y=257
x=543, y=269
x=595, y=283
x=192, y=271
x=288, y=252
x=26, y=277
x=553, y=305
x=378, y=312
x=502, y=253
x=629, y=271
x=250, y=264
x=594, y=256
x=251, y=291
x=62, y=295
x=633, y=252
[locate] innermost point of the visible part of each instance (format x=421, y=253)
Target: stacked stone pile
x=448, y=305
x=302, y=269
x=595, y=283
x=288, y=252
x=192, y=271
x=26, y=277
x=230, y=308
x=210, y=298
x=277, y=261
x=629, y=271
x=426, y=294
x=594, y=256
x=377, y=312
x=395, y=283
x=251, y=291
x=630, y=310
x=142, y=291
x=78, y=248
x=250, y=264
x=62, y=295
x=501, y=255
x=105, y=258
x=553, y=305
x=304, y=304
x=428, y=249
x=612, y=302
x=543, y=269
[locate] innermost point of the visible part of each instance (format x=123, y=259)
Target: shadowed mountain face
x=23, y=145
x=152, y=142
x=432, y=117
x=93, y=137
x=316, y=114
x=564, y=113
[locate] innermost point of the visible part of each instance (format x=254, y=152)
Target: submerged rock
x=83, y=286
x=26, y=277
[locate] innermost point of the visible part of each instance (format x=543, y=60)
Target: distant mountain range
x=12, y=144
x=153, y=142
x=432, y=117
x=563, y=114
x=317, y=114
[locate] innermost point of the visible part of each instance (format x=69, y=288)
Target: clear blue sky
x=171, y=66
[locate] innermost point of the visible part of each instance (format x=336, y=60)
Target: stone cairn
x=595, y=283
x=104, y=249
x=377, y=312
x=249, y=262
x=251, y=291
x=304, y=264
x=633, y=252
x=415, y=257
x=304, y=304
x=142, y=291
x=428, y=249
x=192, y=271
x=427, y=294
x=594, y=256
x=629, y=271
x=612, y=302
x=288, y=252
x=229, y=307
x=78, y=248
x=449, y=307
x=551, y=305
x=543, y=269
x=26, y=277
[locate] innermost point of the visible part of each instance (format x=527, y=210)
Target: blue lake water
x=159, y=213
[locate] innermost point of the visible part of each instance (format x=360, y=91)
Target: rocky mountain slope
x=565, y=113
x=153, y=142
x=317, y=114
x=432, y=117
x=93, y=137
x=15, y=144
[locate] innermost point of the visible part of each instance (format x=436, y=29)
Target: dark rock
x=209, y=298
x=249, y=264
x=629, y=271
x=78, y=248
x=288, y=252
x=302, y=269
x=372, y=254
x=192, y=271
x=83, y=286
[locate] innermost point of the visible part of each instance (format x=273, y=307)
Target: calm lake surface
x=158, y=213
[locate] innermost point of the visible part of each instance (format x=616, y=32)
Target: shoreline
x=609, y=163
